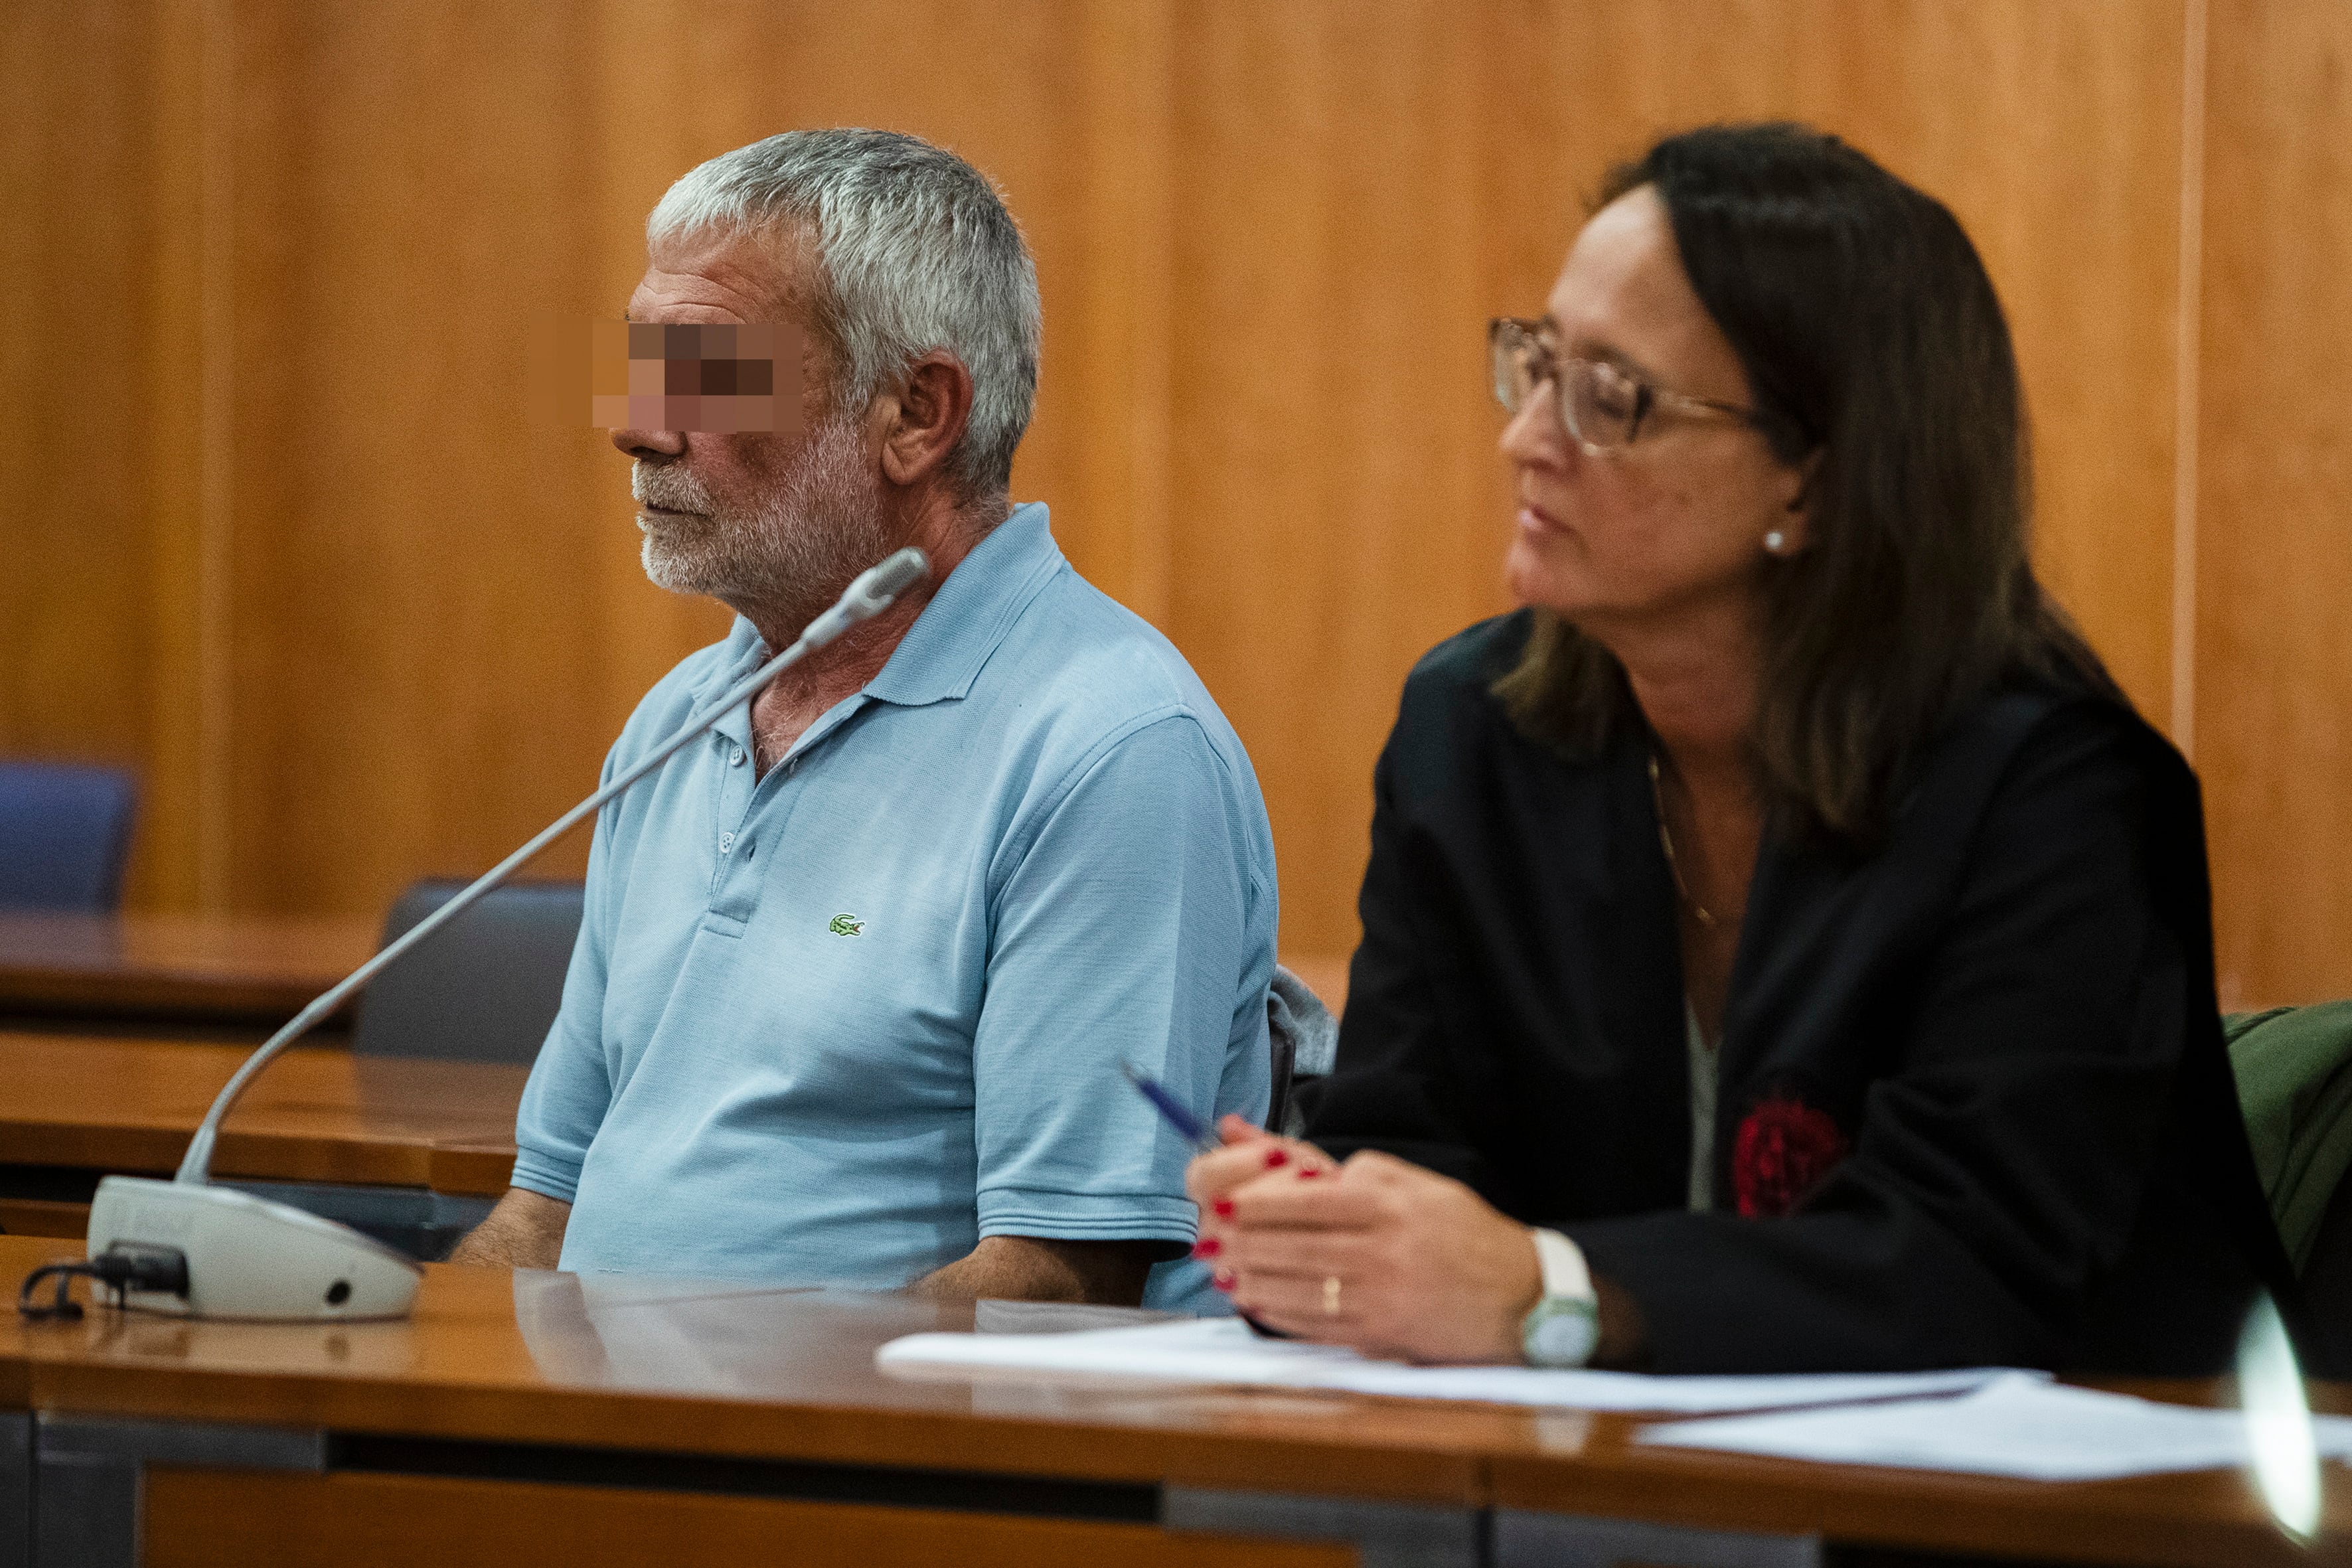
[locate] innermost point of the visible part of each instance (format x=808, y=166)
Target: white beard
x=784, y=563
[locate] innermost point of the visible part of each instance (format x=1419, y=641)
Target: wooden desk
x=601, y=1420
x=77, y=1106
x=248, y=974
x=74, y=1107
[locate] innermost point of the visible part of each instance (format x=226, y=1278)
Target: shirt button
x=726, y=842
x=737, y=760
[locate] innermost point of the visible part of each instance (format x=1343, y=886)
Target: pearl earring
x=1773, y=541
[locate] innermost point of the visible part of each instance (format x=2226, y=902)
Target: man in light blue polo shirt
x=857, y=968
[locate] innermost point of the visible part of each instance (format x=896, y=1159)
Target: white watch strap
x=1564, y=1272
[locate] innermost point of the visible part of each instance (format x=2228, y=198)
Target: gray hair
x=915, y=252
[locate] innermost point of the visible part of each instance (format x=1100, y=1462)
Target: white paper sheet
x=2020, y=1426
x=1223, y=1351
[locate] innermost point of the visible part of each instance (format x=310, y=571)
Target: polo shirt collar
x=943, y=652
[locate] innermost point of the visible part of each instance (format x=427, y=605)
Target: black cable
x=64, y=1309
x=125, y=1267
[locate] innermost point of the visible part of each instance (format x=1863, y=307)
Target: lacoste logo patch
x=846, y=925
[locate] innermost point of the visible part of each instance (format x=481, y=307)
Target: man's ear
x=924, y=420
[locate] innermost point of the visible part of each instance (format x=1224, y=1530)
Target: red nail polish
x=1309, y=1173
x=1222, y=1208
x=1222, y=1279
x=1207, y=1247
x=1277, y=1158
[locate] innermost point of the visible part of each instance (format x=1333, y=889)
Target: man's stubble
x=783, y=563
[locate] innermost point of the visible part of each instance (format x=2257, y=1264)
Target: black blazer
x=1973, y=1097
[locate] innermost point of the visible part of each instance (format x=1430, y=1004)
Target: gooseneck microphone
x=247, y=1257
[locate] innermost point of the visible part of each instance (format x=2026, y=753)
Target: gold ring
x=1330, y=1295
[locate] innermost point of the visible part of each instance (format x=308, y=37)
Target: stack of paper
x=2014, y=1425
x=1223, y=1351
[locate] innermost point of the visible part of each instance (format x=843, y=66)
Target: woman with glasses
x=1784, y=948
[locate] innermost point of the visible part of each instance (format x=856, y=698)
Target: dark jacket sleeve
x=1403, y=1087
x=1999, y=1167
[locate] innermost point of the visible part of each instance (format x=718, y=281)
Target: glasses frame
x=1503, y=333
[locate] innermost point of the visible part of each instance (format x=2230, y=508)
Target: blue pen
x=1180, y=1116
x=1173, y=1110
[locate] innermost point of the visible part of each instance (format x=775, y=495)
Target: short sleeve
x=571, y=1083
x=1125, y=925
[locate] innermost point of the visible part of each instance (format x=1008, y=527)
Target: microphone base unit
x=250, y=1259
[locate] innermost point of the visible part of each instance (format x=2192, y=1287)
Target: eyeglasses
x=1601, y=406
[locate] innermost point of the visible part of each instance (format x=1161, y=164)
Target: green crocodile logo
x=846, y=925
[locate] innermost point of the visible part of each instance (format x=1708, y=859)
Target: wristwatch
x=1562, y=1328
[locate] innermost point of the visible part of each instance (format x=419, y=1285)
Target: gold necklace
x=1666, y=841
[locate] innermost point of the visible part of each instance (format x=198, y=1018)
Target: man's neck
x=800, y=695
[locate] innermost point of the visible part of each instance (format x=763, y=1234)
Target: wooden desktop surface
x=730, y=1369
x=316, y=1114
x=128, y=1102
x=252, y=970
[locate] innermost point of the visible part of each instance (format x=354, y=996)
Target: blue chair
x=65, y=833
x=484, y=989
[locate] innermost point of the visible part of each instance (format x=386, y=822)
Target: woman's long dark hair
x=1872, y=337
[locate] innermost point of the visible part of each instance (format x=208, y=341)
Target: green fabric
x=2294, y=1067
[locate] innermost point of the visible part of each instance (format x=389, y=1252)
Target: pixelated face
x=717, y=377
x=774, y=518
x=708, y=377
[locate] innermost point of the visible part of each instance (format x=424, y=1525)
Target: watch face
x=1561, y=1335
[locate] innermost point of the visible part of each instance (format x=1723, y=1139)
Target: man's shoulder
x=1082, y=664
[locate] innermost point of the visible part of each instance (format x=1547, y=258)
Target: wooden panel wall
x=2274, y=649
x=293, y=548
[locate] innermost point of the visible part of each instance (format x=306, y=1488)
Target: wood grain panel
x=77, y=631
x=2274, y=527
x=212, y=1518
x=44, y=1216
x=415, y=561
x=360, y=621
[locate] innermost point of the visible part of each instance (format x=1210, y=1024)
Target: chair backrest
x=1303, y=1036
x=65, y=832
x=486, y=988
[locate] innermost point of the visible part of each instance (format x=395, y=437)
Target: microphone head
x=895, y=574
x=869, y=594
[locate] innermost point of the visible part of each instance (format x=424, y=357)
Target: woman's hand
x=1378, y=1254
x=1250, y=1152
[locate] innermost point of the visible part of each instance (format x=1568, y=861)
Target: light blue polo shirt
x=837, y=1024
